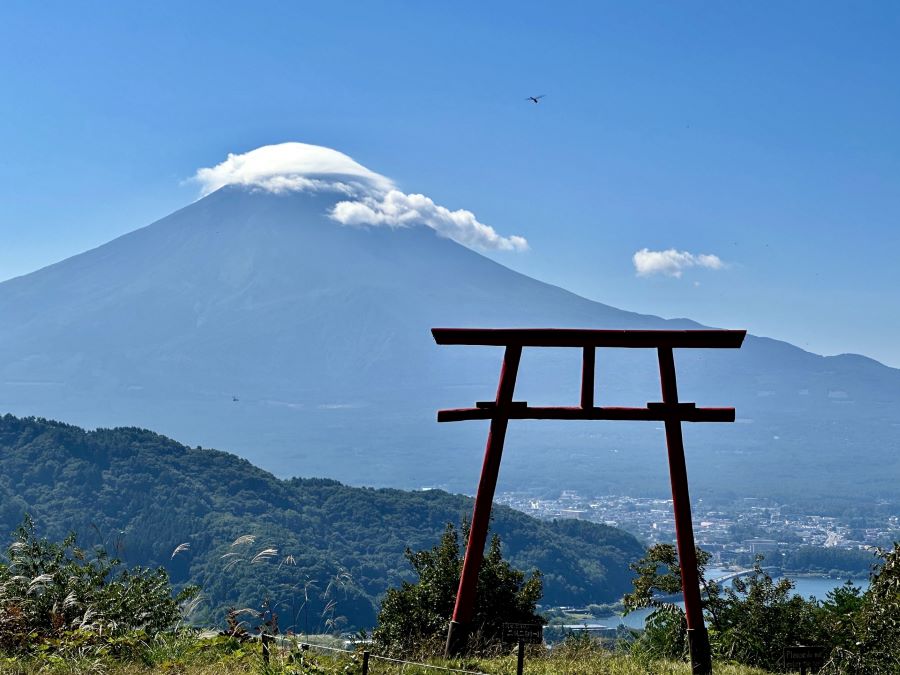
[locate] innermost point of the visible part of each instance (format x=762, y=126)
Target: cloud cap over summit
x=287, y=167
x=370, y=199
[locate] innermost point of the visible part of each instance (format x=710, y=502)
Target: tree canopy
x=415, y=616
x=754, y=618
x=333, y=550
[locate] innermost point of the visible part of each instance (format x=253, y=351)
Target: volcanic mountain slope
x=142, y=495
x=253, y=321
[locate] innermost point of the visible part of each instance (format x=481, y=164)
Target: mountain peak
x=258, y=320
x=367, y=198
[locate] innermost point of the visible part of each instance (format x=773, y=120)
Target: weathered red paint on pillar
x=458, y=632
x=701, y=662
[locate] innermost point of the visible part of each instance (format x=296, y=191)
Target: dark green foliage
x=414, y=617
x=838, y=615
x=658, y=575
x=870, y=625
x=59, y=591
x=657, y=579
x=338, y=548
x=823, y=560
x=756, y=617
x=664, y=636
x=749, y=621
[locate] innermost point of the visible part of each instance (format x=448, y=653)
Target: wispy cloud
x=397, y=209
x=671, y=262
x=368, y=198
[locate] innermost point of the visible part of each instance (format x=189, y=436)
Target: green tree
x=839, y=615
x=756, y=617
x=876, y=624
x=657, y=579
x=413, y=618
x=750, y=621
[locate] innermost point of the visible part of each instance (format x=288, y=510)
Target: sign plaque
x=801, y=657
x=529, y=633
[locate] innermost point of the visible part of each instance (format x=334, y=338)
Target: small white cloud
x=397, y=209
x=371, y=199
x=672, y=263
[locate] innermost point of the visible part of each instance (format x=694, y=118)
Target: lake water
x=817, y=587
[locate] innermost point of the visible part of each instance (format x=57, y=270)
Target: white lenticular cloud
x=672, y=263
x=289, y=167
x=370, y=199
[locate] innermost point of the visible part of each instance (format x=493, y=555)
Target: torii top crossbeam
x=589, y=340
x=503, y=408
x=585, y=337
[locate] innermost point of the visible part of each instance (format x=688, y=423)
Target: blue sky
x=765, y=134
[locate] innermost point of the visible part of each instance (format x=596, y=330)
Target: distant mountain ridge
x=144, y=495
x=322, y=334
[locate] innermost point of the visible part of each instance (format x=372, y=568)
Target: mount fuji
x=253, y=320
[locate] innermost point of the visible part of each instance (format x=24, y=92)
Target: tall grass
x=192, y=655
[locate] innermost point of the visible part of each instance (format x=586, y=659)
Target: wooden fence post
x=265, y=639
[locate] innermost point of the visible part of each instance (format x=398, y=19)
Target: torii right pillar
x=698, y=638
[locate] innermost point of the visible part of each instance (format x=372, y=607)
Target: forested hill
x=338, y=548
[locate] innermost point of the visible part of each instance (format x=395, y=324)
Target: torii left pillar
x=460, y=624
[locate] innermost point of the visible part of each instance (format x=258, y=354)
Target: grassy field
x=190, y=655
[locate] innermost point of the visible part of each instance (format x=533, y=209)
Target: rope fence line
x=307, y=645
x=367, y=655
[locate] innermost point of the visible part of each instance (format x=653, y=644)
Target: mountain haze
x=321, y=331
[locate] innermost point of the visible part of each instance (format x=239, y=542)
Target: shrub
x=414, y=617
x=750, y=621
x=52, y=593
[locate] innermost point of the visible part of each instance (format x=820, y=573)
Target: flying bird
x=535, y=99
x=235, y=399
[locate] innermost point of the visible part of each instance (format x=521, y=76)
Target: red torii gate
x=670, y=411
